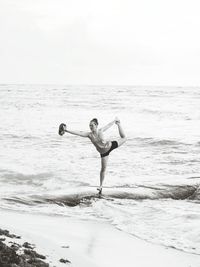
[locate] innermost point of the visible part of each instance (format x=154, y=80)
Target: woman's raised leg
x=121, y=140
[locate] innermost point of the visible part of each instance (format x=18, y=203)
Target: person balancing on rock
x=96, y=137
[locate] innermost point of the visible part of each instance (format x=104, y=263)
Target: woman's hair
x=95, y=121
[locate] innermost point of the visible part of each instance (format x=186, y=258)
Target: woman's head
x=93, y=123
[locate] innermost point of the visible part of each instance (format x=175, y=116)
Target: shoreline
x=89, y=243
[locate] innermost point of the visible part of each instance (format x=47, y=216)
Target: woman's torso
x=101, y=145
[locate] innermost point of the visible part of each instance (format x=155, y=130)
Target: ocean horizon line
x=100, y=85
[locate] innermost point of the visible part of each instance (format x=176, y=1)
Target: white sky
x=143, y=42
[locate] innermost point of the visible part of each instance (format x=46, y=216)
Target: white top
x=101, y=145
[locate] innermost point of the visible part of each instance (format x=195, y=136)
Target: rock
x=65, y=261
x=37, y=263
x=8, y=256
x=28, y=245
x=6, y=233
x=15, y=246
x=33, y=254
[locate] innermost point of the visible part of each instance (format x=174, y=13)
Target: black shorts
x=113, y=146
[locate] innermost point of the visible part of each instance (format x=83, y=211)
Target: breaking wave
x=87, y=196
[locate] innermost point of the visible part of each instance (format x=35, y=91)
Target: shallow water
x=152, y=183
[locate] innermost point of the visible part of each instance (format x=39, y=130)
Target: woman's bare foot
x=117, y=120
x=62, y=129
x=100, y=190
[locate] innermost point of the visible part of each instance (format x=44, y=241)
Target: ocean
x=152, y=182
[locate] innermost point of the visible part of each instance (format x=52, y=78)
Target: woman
x=102, y=146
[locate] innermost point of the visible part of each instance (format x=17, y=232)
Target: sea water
x=152, y=181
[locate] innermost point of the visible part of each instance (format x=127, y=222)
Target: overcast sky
x=143, y=42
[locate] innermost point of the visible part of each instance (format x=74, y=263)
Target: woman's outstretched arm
x=79, y=133
x=106, y=127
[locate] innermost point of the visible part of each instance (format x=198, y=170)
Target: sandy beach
x=89, y=243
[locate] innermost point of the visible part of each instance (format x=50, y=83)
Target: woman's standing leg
x=104, y=162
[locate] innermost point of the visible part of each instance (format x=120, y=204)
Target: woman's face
x=92, y=125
